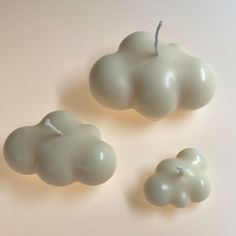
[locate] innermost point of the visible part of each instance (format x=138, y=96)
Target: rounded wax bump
x=61, y=150
x=154, y=83
x=179, y=181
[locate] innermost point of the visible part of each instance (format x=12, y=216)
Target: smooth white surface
x=61, y=150
x=154, y=84
x=47, y=50
x=179, y=181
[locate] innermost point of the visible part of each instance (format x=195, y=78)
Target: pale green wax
x=153, y=84
x=179, y=181
x=61, y=150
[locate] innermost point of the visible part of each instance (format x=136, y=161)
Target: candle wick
x=156, y=37
x=180, y=170
x=51, y=126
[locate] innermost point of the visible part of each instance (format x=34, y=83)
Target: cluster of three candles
x=153, y=78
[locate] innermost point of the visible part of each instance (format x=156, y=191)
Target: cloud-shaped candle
x=61, y=150
x=153, y=78
x=179, y=181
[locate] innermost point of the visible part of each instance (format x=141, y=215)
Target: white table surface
x=47, y=48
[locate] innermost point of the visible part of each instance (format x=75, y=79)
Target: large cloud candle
x=153, y=78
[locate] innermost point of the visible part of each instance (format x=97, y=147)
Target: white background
x=47, y=48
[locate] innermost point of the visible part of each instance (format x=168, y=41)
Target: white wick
x=156, y=37
x=51, y=126
x=180, y=170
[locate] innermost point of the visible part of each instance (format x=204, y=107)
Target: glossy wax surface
x=179, y=181
x=153, y=84
x=61, y=150
x=47, y=50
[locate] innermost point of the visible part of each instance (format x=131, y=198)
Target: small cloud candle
x=179, y=181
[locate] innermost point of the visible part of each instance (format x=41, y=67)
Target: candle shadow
x=139, y=204
x=78, y=98
x=30, y=189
